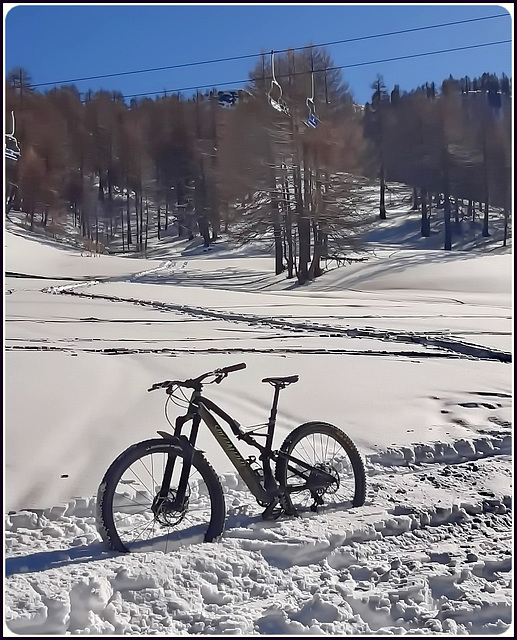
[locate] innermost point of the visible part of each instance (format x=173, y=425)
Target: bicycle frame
x=265, y=489
x=203, y=409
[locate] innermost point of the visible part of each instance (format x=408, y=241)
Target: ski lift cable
x=335, y=68
x=254, y=55
x=326, y=69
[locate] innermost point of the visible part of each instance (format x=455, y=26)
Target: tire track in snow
x=426, y=340
x=41, y=346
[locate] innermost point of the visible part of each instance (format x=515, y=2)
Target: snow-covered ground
x=409, y=352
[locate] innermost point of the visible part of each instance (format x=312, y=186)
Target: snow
x=408, y=352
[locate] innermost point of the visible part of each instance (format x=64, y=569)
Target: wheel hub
x=167, y=511
x=331, y=486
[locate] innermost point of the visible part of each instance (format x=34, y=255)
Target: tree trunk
x=304, y=231
x=146, y=225
x=279, y=251
x=201, y=201
x=204, y=230
x=290, y=245
x=141, y=222
x=415, y=205
x=288, y=217
x=128, y=218
x=137, y=219
x=215, y=221
x=446, y=199
x=471, y=211
x=485, y=233
x=425, y=225
x=277, y=228
x=447, y=220
x=215, y=209
x=96, y=228
x=382, y=203
x=304, y=242
x=122, y=229
x=315, y=268
x=506, y=219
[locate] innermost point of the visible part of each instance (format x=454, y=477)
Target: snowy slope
x=408, y=352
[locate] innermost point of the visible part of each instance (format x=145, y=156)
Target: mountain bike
x=163, y=493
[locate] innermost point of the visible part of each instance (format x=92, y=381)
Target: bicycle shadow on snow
x=57, y=558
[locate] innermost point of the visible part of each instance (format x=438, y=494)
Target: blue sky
x=63, y=43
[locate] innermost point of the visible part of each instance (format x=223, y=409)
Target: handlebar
x=232, y=367
x=194, y=383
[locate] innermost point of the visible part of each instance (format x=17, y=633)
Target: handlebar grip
x=233, y=367
x=160, y=385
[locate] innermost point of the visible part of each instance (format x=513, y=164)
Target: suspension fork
x=179, y=501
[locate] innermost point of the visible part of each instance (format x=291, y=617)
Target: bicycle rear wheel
x=132, y=517
x=326, y=449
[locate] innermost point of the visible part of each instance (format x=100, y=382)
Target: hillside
x=408, y=351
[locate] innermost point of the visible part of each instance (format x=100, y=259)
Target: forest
x=280, y=159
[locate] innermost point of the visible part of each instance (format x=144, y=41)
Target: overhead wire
x=345, y=66
x=255, y=55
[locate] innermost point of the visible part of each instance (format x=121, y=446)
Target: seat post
x=278, y=383
x=270, y=484
x=272, y=416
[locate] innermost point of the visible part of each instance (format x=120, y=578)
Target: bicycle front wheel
x=321, y=467
x=135, y=514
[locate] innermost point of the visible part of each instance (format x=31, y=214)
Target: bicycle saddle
x=281, y=381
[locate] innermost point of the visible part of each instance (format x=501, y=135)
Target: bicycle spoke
x=135, y=495
x=332, y=481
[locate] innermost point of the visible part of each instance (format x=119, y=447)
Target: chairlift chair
x=312, y=118
x=12, y=148
x=227, y=99
x=278, y=104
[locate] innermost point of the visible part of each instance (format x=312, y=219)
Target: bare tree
x=376, y=129
x=292, y=196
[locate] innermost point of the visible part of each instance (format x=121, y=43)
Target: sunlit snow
x=408, y=352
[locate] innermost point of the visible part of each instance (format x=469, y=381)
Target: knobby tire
x=326, y=447
x=125, y=519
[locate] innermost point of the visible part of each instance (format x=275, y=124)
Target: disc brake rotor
x=166, y=511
